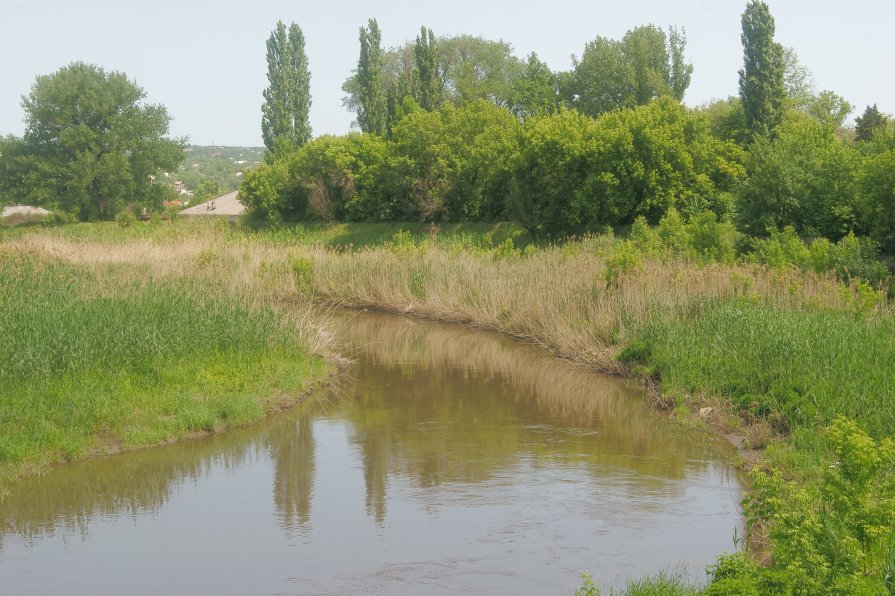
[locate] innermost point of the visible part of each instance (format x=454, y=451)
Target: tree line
x=460, y=129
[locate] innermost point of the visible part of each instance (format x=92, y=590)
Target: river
x=445, y=460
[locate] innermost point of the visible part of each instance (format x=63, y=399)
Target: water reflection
x=442, y=445
x=504, y=403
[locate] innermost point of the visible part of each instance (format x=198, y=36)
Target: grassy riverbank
x=102, y=358
x=779, y=353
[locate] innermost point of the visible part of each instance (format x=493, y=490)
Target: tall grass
x=794, y=367
x=95, y=359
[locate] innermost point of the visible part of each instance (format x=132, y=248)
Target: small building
x=227, y=205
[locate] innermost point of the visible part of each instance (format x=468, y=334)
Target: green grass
x=357, y=235
x=307, y=234
x=95, y=359
x=794, y=367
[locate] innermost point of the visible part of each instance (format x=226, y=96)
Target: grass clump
x=792, y=367
x=97, y=359
x=665, y=583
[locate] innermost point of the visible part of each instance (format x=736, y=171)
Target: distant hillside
x=222, y=166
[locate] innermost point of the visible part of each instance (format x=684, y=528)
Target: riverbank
x=102, y=358
x=778, y=354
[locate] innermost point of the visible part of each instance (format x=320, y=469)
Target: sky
x=204, y=60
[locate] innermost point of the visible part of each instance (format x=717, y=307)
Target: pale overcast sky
x=205, y=59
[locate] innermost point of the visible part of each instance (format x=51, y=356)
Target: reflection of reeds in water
x=557, y=387
x=446, y=404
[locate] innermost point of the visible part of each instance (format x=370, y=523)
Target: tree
x=644, y=65
x=474, y=68
x=90, y=144
x=762, y=89
x=681, y=71
x=371, y=109
x=804, y=177
x=536, y=90
x=867, y=124
x=830, y=109
x=876, y=182
x=287, y=98
x=798, y=81
x=573, y=173
x=430, y=85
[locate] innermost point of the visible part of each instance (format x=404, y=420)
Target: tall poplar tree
x=371, y=108
x=426, y=54
x=762, y=89
x=287, y=100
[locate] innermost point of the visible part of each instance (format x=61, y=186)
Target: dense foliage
x=466, y=131
x=556, y=173
x=90, y=145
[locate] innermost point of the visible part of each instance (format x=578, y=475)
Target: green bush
x=836, y=538
x=126, y=218
x=850, y=258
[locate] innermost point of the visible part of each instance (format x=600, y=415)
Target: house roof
x=227, y=204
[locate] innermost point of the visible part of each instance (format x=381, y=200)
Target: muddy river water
x=445, y=460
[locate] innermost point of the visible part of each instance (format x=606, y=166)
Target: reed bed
x=730, y=329
x=107, y=357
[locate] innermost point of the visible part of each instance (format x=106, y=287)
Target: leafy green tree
x=762, y=82
x=805, y=177
x=372, y=107
x=476, y=68
x=574, y=174
x=453, y=164
x=535, y=90
x=550, y=170
x=90, y=144
x=876, y=181
x=329, y=178
x=644, y=65
x=680, y=70
x=399, y=81
x=727, y=119
x=798, y=81
x=429, y=89
x=654, y=157
x=602, y=80
x=287, y=99
x=830, y=109
x=869, y=122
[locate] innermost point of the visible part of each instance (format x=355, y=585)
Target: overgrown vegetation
x=99, y=358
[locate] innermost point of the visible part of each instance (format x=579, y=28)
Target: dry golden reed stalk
x=560, y=297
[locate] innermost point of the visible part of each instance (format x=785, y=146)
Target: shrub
x=835, y=539
x=126, y=217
